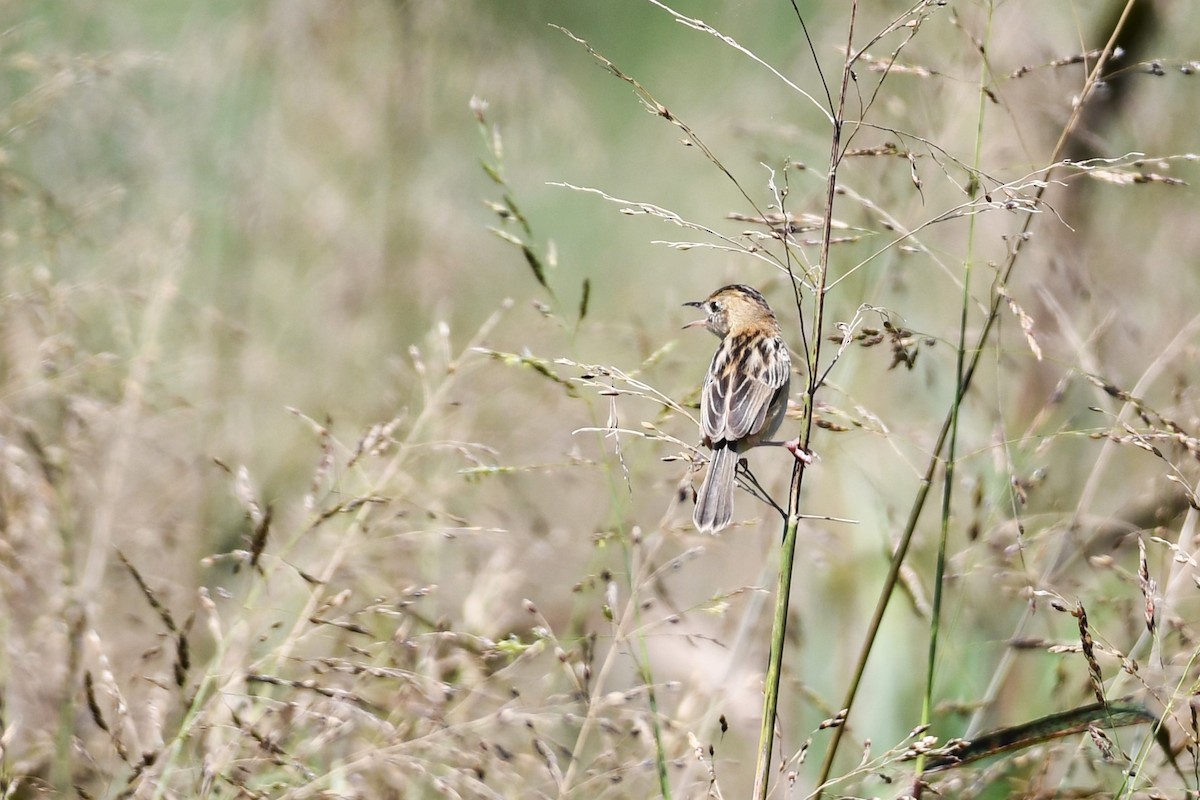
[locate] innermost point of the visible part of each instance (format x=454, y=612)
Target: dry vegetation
x=322, y=478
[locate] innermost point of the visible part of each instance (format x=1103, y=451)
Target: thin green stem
x=766, y=735
x=1006, y=661
x=935, y=622
x=766, y=741
x=981, y=341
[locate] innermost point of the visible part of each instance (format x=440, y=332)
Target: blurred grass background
x=214, y=213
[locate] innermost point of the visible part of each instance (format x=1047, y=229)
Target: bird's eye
x=714, y=307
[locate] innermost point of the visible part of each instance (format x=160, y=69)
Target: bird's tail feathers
x=714, y=504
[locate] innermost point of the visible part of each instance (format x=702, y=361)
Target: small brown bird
x=745, y=392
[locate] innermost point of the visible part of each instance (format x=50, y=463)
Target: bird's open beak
x=700, y=323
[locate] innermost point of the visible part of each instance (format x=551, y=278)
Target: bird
x=745, y=392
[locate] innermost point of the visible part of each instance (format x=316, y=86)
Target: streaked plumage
x=745, y=392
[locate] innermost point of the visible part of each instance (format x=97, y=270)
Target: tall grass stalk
x=952, y=448
x=766, y=737
x=977, y=352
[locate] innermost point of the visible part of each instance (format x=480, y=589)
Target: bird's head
x=732, y=308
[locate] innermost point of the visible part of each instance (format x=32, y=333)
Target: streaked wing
x=742, y=381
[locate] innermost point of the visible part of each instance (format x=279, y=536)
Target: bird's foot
x=801, y=454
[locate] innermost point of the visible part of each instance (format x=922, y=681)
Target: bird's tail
x=714, y=504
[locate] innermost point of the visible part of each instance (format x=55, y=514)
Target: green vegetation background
x=227, y=227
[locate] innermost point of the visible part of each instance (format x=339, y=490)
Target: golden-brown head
x=734, y=309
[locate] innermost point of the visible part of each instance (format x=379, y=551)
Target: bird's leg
x=793, y=447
